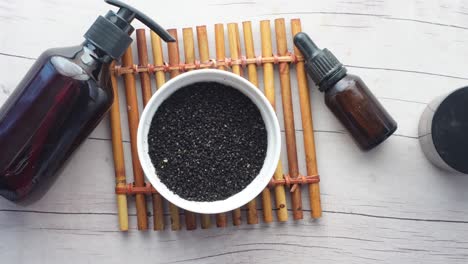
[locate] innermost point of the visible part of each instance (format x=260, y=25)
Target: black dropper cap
x=110, y=34
x=322, y=66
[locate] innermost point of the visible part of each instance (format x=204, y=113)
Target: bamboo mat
x=242, y=62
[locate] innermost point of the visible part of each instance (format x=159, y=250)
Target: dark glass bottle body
x=54, y=108
x=359, y=111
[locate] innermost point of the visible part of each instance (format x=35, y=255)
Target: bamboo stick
x=250, y=52
x=288, y=115
x=267, y=51
x=239, y=47
x=307, y=126
x=203, y=48
x=173, y=50
x=189, y=45
x=269, y=83
x=219, y=40
x=280, y=195
x=269, y=90
x=133, y=117
x=233, y=46
x=117, y=151
x=252, y=217
x=158, y=209
x=220, y=55
x=143, y=60
x=189, y=51
x=233, y=36
x=156, y=45
x=204, y=52
x=158, y=59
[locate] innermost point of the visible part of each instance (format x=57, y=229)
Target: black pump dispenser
x=322, y=66
x=110, y=34
x=346, y=95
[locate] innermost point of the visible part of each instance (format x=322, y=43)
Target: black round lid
x=450, y=130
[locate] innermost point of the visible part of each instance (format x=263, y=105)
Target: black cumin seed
x=207, y=141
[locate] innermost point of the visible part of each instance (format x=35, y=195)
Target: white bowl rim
x=271, y=124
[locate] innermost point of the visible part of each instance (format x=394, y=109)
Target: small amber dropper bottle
x=346, y=95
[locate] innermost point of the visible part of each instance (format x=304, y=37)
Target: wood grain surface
x=388, y=205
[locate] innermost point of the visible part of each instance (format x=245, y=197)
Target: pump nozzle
x=110, y=34
x=128, y=13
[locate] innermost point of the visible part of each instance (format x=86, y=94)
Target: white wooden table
x=389, y=205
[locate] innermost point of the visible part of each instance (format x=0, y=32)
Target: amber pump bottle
x=346, y=95
x=60, y=101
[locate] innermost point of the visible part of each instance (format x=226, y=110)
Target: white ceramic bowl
x=271, y=125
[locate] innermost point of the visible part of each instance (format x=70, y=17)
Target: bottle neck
x=95, y=53
x=329, y=82
x=92, y=59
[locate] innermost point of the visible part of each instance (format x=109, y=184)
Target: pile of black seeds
x=207, y=142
